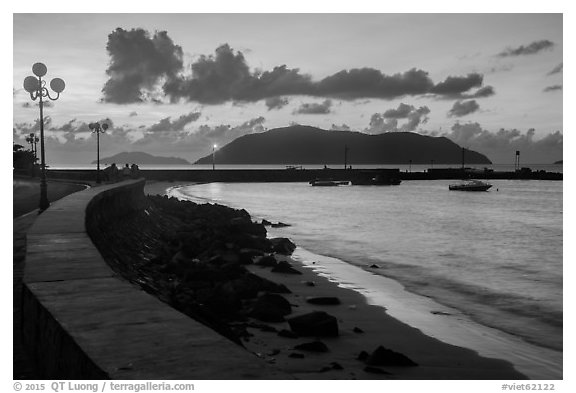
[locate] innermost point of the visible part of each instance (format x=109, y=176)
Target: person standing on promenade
x=126, y=171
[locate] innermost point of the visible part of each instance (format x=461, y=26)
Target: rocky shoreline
x=214, y=264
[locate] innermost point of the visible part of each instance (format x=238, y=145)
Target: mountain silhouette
x=141, y=158
x=300, y=145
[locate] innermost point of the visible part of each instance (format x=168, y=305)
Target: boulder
x=285, y=267
x=387, y=357
x=316, y=323
x=267, y=260
x=282, y=245
x=324, y=300
x=270, y=307
x=314, y=346
x=279, y=225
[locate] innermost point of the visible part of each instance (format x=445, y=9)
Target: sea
x=483, y=270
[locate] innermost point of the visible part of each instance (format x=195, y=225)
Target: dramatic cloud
x=314, y=108
x=530, y=49
x=176, y=125
x=463, y=108
x=388, y=121
x=142, y=67
x=458, y=88
x=276, y=102
x=500, y=146
x=552, y=88
x=138, y=62
x=559, y=68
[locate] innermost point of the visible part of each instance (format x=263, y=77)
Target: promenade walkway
x=26, y=194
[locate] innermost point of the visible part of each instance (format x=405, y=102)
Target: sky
x=176, y=84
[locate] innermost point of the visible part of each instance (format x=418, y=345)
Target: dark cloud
x=177, y=125
x=138, y=62
x=314, y=108
x=133, y=114
x=388, y=121
x=552, y=88
x=500, y=146
x=463, y=108
x=559, y=68
x=276, y=102
x=457, y=84
x=530, y=49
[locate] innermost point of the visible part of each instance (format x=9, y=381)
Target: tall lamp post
x=36, y=86
x=214, y=156
x=98, y=128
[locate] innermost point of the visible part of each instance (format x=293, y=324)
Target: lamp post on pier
x=37, y=89
x=98, y=128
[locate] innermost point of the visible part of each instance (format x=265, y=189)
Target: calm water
x=496, y=256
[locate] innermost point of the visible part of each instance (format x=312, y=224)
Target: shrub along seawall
x=82, y=319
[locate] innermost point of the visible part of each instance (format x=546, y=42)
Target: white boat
x=470, y=185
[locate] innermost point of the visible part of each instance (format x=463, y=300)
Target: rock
x=374, y=266
x=285, y=267
x=279, y=225
x=376, y=370
x=310, y=283
x=270, y=308
x=287, y=334
x=266, y=222
x=336, y=366
x=324, y=301
x=316, y=323
x=282, y=245
x=296, y=355
x=314, y=346
x=357, y=330
x=387, y=357
x=440, y=313
x=273, y=352
x=363, y=356
x=267, y=260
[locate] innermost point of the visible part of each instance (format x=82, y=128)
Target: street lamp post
x=32, y=139
x=214, y=156
x=98, y=128
x=36, y=86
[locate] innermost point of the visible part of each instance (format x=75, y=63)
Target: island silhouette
x=314, y=146
x=141, y=158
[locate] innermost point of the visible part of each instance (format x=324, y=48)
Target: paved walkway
x=23, y=366
x=26, y=196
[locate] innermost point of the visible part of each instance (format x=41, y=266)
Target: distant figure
x=126, y=172
x=325, y=167
x=114, y=172
x=111, y=173
x=134, y=171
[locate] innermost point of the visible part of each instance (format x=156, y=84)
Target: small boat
x=328, y=183
x=470, y=185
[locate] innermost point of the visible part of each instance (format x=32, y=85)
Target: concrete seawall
x=306, y=175
x=82, y=321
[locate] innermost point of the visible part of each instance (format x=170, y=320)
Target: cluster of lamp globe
x=36, y=87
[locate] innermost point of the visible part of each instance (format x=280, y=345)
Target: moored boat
x=470, y=185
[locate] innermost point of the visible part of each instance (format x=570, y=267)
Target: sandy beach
x=362, y=327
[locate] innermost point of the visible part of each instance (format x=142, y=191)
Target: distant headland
x=309, y=145
x=141, y=158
